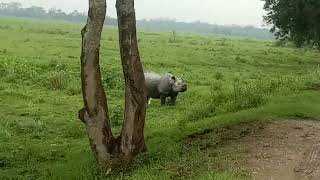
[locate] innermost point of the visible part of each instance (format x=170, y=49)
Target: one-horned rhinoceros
x=163, y=86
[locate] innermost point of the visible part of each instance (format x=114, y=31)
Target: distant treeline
x=17, y=10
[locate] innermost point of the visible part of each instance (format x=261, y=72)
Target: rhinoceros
x=163, y=86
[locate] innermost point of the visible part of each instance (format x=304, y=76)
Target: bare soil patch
x=282, y=150
x=273, y=150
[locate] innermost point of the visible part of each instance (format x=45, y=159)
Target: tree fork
x=106, y=148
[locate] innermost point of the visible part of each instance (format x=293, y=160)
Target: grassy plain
x=230, y=81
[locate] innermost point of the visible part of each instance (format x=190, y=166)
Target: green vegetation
x=229, y=80
x=295, y=20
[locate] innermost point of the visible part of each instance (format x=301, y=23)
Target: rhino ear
x=171, y=76
x=171, y=80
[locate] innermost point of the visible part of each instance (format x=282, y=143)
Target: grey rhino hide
x=163, y=86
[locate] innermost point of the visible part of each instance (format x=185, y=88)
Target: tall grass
x=229, y=81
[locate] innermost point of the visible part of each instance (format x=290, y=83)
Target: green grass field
x=230, y=81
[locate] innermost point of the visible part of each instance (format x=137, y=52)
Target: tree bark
x=95, y=111
x=106, y=148
x=132, y=136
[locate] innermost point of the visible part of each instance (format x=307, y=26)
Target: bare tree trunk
x=132, y=137
x=94, y=115
x=95, y=111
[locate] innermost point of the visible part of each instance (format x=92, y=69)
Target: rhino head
x=177, y=84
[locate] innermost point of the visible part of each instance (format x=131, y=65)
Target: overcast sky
x=223, y=12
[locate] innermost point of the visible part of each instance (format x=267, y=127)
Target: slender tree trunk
x=95, y=111
x=94, y=115
x=132, y=137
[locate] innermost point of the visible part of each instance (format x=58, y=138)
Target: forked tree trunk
x=95, y=116
x=132, y=137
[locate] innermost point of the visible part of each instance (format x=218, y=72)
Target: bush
x=55, y=65
x=117, y=116
x=242, y=96
x=112, y=78
x=110, y=38
x=58, y=81
x=17, y=70
x=74, y=88
x=245, y=97
x=218, y=75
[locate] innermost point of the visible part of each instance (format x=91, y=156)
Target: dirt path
x=282, y=150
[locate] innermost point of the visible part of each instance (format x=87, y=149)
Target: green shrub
x=55, y=65
x=218, y=75
x=17, y=70
x=117, y=115
x=73, y=87
x=244, y=95
x=110, y=38
x=58, y=81
x=112, y=78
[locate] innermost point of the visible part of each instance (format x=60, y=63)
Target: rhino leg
x=149, y=100
x=173, y=100
x=163, y=99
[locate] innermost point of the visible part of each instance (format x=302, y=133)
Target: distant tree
x=10, y=8
x=162, y=24
x=34, y=11
x=13, y=6
x=294, y=20
x=107, y=148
